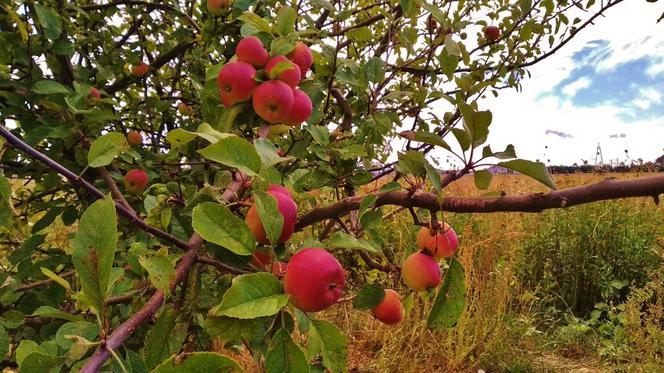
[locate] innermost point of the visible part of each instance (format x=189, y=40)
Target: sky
x=606, y=86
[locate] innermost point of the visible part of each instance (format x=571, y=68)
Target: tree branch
x=537, y=202
x=74, y=179
x=146, y=4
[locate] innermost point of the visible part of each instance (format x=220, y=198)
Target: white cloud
x=656, y=68
x=571, y=89
x=641, y=103
x=651, y=94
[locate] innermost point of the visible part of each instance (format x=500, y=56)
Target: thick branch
x=603, y=190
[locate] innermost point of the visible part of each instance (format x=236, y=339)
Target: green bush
x=573, y=259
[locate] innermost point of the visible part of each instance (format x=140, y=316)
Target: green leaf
x=427, y=138
x=179, y=137
x=256, y=21
x=234, y=151
x=48, y=311
x=433, y=176
x=38, y=362
x=371, y=219
x=412, y=163
x=279, y=68
x=49, y=87
x=104, y=149
x=269, y=214
x=508, y=153
x=230, y=328
x=85, y=329
x=462, y=138
x=250, y=296
x=375, y=70
x=54, y=276
x=94, y=251
x=25, y=348
x=536, y=170
x=285, y=21
x=451, y=299
x=476, y=123
x=198, y=362
x=268, y=153
x=482, y=179
x=4, y=342
x=50, y=21
x=341, y=240
x=164, y=338
x=285, y=356
x=280, y=47
x=161, y=271
x=217, y=224
x=326, y=339
x=369, y=297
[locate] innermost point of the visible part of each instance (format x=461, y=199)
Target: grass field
x=573, y=290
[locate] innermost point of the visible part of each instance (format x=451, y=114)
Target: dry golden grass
x=481, y=339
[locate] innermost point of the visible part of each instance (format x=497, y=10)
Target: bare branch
x=603, y=190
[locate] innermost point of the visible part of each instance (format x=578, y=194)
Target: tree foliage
x=80, y=278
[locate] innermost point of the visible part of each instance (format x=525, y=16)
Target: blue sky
x=605, y=86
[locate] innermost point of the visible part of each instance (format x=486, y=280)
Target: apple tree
x=179, y=173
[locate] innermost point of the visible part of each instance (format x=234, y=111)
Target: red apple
x=302, y=57
x=492, y=33
x=441, y=244
x=135, y=181
x=134, y=138
x=273, y=101
x=184, y=109
x=251, y=51
x=390, y=311
x=216, y=7
x=420, y=272
x=314, y=280
x=302, y=108
x=286, y=70
x=279, y=189
x=140, y=69
x=288, y=210
x=236, y=82
x=94, y=95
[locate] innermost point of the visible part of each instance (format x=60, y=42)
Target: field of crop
x=573, y=290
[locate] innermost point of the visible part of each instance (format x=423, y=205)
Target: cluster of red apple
x=277, y=99
x=314, y=278
x=421, y=271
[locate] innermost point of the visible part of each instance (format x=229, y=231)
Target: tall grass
x=532, y=280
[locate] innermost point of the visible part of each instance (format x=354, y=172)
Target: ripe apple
x=440, y=244
x=273, y=101
x=492, y=33
x=279, y=189
x=236, y=82
x=287, y=71
x=135, y=181
x=184, y=109
x=302, y=57
x=288, y=210
x=302, y=108
x=420, y=272
x=134, y=138
x=140, y=69
x=251, y=51
x=94, y=96
x=216, y=7
x=314, y=279
x=390, y=311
